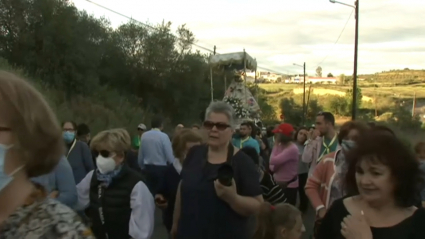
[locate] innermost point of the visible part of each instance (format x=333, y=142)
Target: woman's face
x=218, y=129
x=5, y=134
x=374, y=180
x=302, y=136
x=353, y=135
x=349, y=141
x=6, y=139
x=296, y=232
x=68, y=127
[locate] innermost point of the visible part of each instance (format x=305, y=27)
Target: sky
x=279, y=33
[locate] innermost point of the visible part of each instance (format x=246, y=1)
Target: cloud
x=278, y=33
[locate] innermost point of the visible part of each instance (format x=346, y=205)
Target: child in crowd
x=272, y=192
x=282, y=221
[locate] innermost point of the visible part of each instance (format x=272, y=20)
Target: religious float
x=237, y=93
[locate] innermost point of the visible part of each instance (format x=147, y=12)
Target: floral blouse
x=44, y=219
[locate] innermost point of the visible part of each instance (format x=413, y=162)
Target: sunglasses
x=219, y=126
x=5, y=129
x=103, y=153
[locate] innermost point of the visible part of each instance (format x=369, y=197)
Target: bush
x=103, y=110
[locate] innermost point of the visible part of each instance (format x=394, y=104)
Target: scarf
x=107, y=178
x=327, y=147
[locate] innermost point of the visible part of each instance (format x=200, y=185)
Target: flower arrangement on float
x=240, y=111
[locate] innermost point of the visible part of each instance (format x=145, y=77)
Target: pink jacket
x=284, y=164
x=319, y=183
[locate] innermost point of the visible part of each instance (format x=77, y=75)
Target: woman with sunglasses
x=30, y=146
x=119, y=203
x=219, y=184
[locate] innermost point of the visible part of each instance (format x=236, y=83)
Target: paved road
x=161, y=233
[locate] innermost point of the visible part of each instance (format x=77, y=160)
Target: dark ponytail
x=271, y=217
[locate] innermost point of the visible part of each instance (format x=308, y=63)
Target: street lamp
x=356, y=44
x=304, y=113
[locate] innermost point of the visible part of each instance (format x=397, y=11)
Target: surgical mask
x=105, y=165
x=348, y=145
x=68, y=136
x=4, y=178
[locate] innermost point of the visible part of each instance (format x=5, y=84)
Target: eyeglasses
x=219, y=126
x=103, y=153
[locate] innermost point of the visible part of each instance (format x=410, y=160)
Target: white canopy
x=236, y=58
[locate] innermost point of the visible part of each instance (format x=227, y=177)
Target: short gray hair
x=221, y=107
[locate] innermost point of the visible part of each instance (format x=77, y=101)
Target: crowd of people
x=210, y=181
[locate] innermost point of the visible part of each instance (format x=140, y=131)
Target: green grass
x=403, y=91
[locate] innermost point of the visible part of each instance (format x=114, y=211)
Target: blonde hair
x=37, y=136
x=270, y=217
x=183, y=137
x=113, y=140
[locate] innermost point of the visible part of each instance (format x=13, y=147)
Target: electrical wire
x=340, y=34
x=154, y=28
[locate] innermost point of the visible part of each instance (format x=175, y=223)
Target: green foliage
x=292, y=110
x=342, y=105
x=268, y=113
x=402, y=119
x=102, y=76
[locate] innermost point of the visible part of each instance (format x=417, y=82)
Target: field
x=379, y=90
x=401, y=91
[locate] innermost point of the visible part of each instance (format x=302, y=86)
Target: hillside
x=379, y=90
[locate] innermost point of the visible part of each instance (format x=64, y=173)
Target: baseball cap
x=285, y=129
x=142, y=127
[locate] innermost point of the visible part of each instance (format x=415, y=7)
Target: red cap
x=285, y=129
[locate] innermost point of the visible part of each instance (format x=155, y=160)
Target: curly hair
x=391, y=152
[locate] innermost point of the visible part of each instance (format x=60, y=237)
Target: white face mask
x=105, y=165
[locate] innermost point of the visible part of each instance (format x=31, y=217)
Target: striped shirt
x=272, y=192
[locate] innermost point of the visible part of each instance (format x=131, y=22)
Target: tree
x=75, y=53
x=330, y=75
x=319, y=71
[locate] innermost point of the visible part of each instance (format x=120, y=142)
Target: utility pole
x=356, y=46
x=211, y=81
x=304, y=106
x=308, y=101
x=414, y=105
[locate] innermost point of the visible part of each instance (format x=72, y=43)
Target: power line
x=340, y=34
x=153, y=28
x=144, y=24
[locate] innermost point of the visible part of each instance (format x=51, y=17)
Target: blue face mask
x=4, y=178
x=348, y=145
x=68, y=136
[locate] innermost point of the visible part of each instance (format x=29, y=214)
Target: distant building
x=311, y=80
x=326, y=80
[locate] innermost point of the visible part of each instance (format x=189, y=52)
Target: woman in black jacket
x=166, y=197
